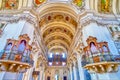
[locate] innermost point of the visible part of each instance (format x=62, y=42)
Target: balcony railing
x=15, y=61
x=102, y=63
x=16, y=56
x=100, y=58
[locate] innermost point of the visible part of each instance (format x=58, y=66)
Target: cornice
x=101, y=19
x=27, y=16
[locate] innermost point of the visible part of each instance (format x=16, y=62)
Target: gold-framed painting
x=105, y=6
x=10, y=4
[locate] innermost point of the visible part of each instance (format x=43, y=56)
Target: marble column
x=74, y=70
x=41, y=72
x=71, y=77
x=81, y=71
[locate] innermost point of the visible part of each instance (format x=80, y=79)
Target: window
x=63, y=55
x=105, y=48
x=57, y=53
x=1, y=25
x=50, y=55
x=48, y=78
x=110, y=28
x=56, y=77
x=8, y=47
x=50, y=63
x=22, y=46
x=116, y=29
x=64, y=78
x=93, y=47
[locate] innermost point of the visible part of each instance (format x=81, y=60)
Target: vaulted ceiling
x=58, y=27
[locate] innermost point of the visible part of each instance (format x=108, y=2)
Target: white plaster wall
x=10, y=76
x=87, y=4
x=2, y=75
x=114, y=6
x=30, y=3
x=12, y=30
x=109, y=76
x=91, y=4
x=20, y=4
x=119, y=6
x=25, y=3
x=96, y=5
x=101, y=33
x=28, y=29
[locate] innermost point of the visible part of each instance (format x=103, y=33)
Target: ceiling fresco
x=78, y=2
x=10, y=4
x=105, y=6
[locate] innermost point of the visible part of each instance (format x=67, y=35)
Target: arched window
x=48, y=78
x=22, y=46
x=93, y=47
x=65, y=78
x=8, y=47
x=105, y=49
x=56, y=77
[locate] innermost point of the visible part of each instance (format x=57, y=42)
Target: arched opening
x=22, y=46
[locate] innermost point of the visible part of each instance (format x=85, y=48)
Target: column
x=72, y=73
x=81, y=72
x=71, y=77
x=78, y=74
x=42, y=73
x=41, y=78
x=74, y=70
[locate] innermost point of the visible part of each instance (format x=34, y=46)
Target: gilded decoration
x=98, y=57
x=38, y=2
x=58, y=29
x=96, y=50
x=65, y=31
x=10, y=4
x=105, y=6
x=78, y=2
x=57, y=38
x=17, y=56
x=57, y=44
x=59, y=17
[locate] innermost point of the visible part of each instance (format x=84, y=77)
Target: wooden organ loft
x=16, y=56
x=98, y=57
